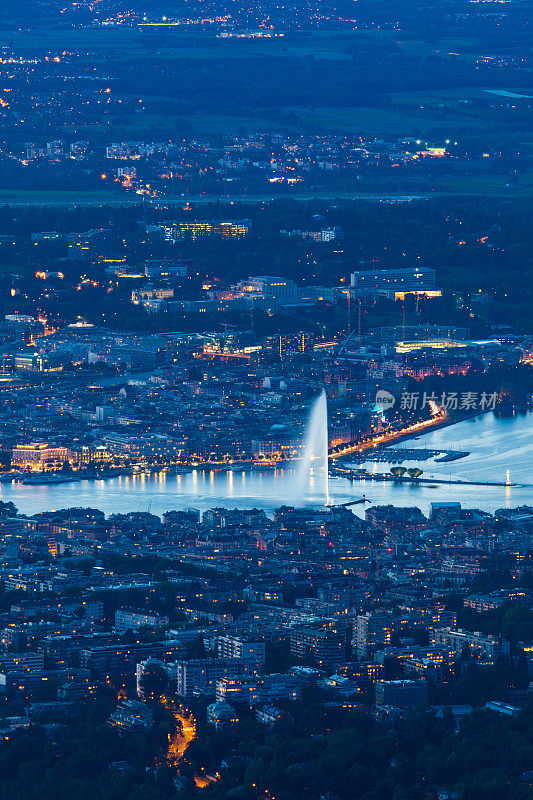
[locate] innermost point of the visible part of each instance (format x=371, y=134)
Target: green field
x=50, y=196
x=94, y=38
x=376, y=120
x=491, y=185
x=176, y=41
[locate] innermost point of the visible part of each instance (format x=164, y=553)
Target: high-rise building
x=286, y=345
x=323, y=647
x=200, y=675
x=372, y=630
x=241, y=647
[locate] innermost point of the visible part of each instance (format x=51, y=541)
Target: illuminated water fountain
x=313, y=469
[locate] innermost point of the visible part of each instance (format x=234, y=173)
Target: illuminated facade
x=167, y=268
x=275, y=288
x=39, y=457
x=133, y=620
x=483, y=647
x=283, y=346
x=372, y=631
x=200, y=675
x=241, y=647
x=276, y=448
x=394, y=283
x=324, y=647
x=205, y=229
x=35, y=362
x=87, y=245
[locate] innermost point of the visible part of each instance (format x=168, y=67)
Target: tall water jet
x=313, y=468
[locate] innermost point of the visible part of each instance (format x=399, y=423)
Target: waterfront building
x=39, y=457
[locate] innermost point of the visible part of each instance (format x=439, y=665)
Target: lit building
x=284, y=346
x=427, y=333
x=133, y=620
x=151, y=293
x=401, y=694
x=112, y=662
x=279, y=290
x=143, y=448
x=394, y=283
x=88, y=245
x=21, y=662
x=167, y=268
x=143, y=668
x=241, y=647
x=482, y=647
x=46, y=236
x=36, y=362
x=200, y=675
x=220, y=714
x=131, y=715
x=81, y=456
x=254, y=690
x=322, y=235
x=39, y=457
x=484, y=602
x=269, y=715
x=204, y=229
x=324, y=647
x=276, y=447
x=372, y=631
x=22, y=685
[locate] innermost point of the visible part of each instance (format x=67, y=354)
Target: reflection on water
x=495, y=445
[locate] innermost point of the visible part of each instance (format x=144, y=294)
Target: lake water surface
x=496, y=444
